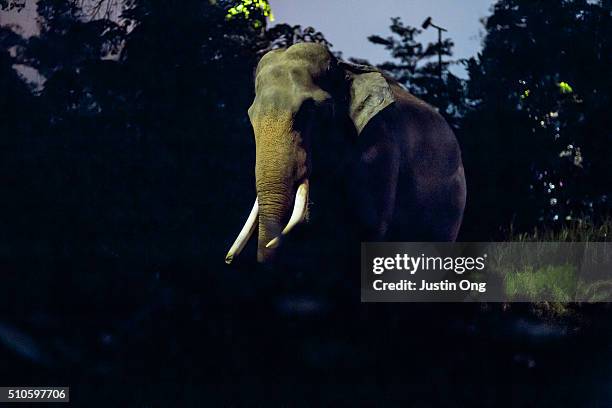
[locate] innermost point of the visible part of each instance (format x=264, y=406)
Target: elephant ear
x=370, y=93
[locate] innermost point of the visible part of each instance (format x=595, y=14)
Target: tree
x=538, y=130
x=415, y=65
x=284, y=35
x=256, y=12
x=7, y=5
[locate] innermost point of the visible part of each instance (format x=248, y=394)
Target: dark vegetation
x=128, y=170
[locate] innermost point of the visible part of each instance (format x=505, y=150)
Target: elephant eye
x=307, y=108
x=315, y=106
x=308, y=105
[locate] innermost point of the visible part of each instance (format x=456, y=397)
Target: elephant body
x=389, y=156
x=412, y=175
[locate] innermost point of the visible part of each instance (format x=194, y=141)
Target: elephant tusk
x=298, y=214
x=244, y=235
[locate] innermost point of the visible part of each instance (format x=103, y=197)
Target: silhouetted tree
x=538, y=140
x=7, y=5
x=415, y=65
x=284, y=35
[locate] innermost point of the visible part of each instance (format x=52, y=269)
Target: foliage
x=7, y=5
x=536, y=279
x=415, y=65
x=555, y=282
x=256, y=11
x=111, y=154
x=540, y=114
x=284, y=35
x=576, y=231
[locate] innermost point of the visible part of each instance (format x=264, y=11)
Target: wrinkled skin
x=405, y=177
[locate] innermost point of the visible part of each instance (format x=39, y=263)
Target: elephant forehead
x=289, y=74
x=301, y=51
x=309, y=51
x=284, y=102
x=299, y=62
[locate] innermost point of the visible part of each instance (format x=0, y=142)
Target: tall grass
x=572, y=231
x=531, y=282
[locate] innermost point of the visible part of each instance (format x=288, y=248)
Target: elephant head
x=296, y=89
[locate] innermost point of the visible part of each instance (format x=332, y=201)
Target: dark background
x=128, y=171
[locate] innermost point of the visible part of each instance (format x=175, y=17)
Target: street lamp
x=426, y=25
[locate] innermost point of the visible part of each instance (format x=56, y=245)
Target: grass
x=574, y=231
x=556, y=282
x=549, y=270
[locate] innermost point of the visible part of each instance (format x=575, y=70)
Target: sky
x=26, y=18
x=348, y=23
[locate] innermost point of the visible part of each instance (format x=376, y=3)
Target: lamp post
x=426, y=25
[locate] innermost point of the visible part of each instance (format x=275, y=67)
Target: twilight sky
x=348, y=23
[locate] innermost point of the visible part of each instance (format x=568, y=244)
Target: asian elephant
x=405, y=168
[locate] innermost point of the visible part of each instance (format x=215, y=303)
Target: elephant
x=406, y=170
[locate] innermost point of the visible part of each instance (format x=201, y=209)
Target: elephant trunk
x=282, y=186
x=274, y=206
x=269, y=225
